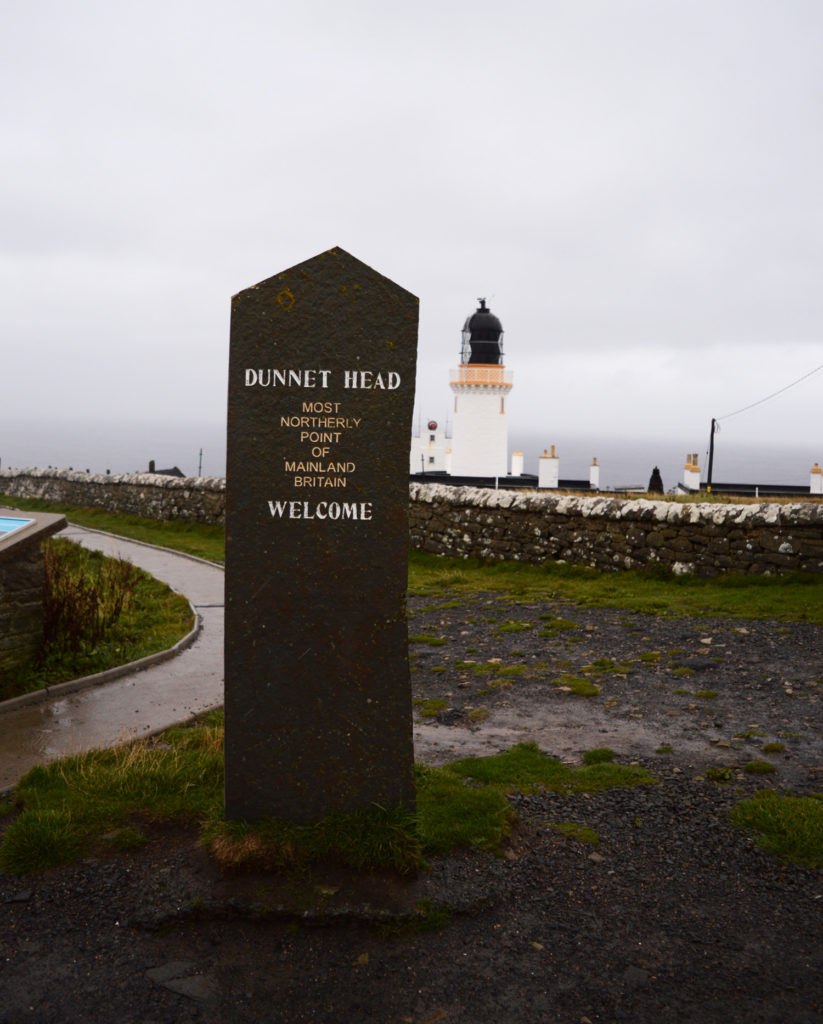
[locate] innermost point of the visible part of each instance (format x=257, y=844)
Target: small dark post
x=714, y=430
x=321, y=393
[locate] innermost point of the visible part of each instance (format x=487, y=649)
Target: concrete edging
x=147, y=544
x=99, y=678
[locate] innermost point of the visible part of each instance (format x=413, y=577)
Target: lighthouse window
x=431, y=460
x=432, y=437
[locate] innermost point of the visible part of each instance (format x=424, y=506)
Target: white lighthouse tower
x=480, y=384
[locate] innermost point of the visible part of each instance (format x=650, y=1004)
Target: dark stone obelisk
x=318, y=694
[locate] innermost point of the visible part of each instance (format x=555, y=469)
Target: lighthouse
x=480, y=385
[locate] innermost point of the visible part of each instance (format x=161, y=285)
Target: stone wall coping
x=203, y=483
x=604, y=507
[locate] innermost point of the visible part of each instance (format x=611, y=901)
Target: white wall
x=428, y=451
x=480, y=436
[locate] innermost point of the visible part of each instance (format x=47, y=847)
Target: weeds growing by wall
x=84, y=595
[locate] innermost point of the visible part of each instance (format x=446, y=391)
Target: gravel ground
x=674, y=916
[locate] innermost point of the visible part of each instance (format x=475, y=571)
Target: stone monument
x=318, y=694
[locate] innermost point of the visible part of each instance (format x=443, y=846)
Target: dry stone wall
x=195, y=499
x=21, y=610
x=469, y=522
x=611, y=533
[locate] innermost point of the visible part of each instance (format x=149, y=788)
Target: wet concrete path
x=140, y=702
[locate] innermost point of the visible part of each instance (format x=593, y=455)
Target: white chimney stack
x=548, y=471
x=691, y=473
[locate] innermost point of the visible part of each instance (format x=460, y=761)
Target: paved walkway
x=140, y=702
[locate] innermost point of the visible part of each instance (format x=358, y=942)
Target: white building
x=479, y=442
x=430, y=450
x=480, y=433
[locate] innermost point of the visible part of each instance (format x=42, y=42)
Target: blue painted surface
x=9, y=525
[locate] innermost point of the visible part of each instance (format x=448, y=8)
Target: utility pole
x=714, y=429
x=200, y=464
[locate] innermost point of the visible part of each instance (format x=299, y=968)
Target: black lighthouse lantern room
x=482, y=338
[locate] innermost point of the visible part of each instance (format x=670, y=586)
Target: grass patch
x=495, y=674
x=759, y=768
x=773, y=748
x=791, y=827
x=604, y=666
x=793, y=596
x=198, y=539
x=477, y=668
x=96, y=801
x=719, y=773
x=582, y=833
x=429, y=708
x=599, y=755
x=514, y=626
x=99, y=613
x=554, y=624
x=426, y=638
x=600, y=666
x=451, y=814
x=70, y=805
x=649, y=657
x=706, y=694
x=378, y=838
x=428, y=917
x=580, y=686
x=527, y=768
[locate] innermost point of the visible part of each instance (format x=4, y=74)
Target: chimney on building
x=594, y=476
x=691, y=473
x=548, y=469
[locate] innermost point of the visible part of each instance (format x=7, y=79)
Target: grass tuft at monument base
x=102, y=800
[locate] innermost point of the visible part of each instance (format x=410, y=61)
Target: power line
x=773, y=395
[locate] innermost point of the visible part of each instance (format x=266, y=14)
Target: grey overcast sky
x=634, y=186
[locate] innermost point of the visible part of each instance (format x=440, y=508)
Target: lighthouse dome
x=482, y=337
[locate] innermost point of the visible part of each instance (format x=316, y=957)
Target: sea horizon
x=199, y=448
